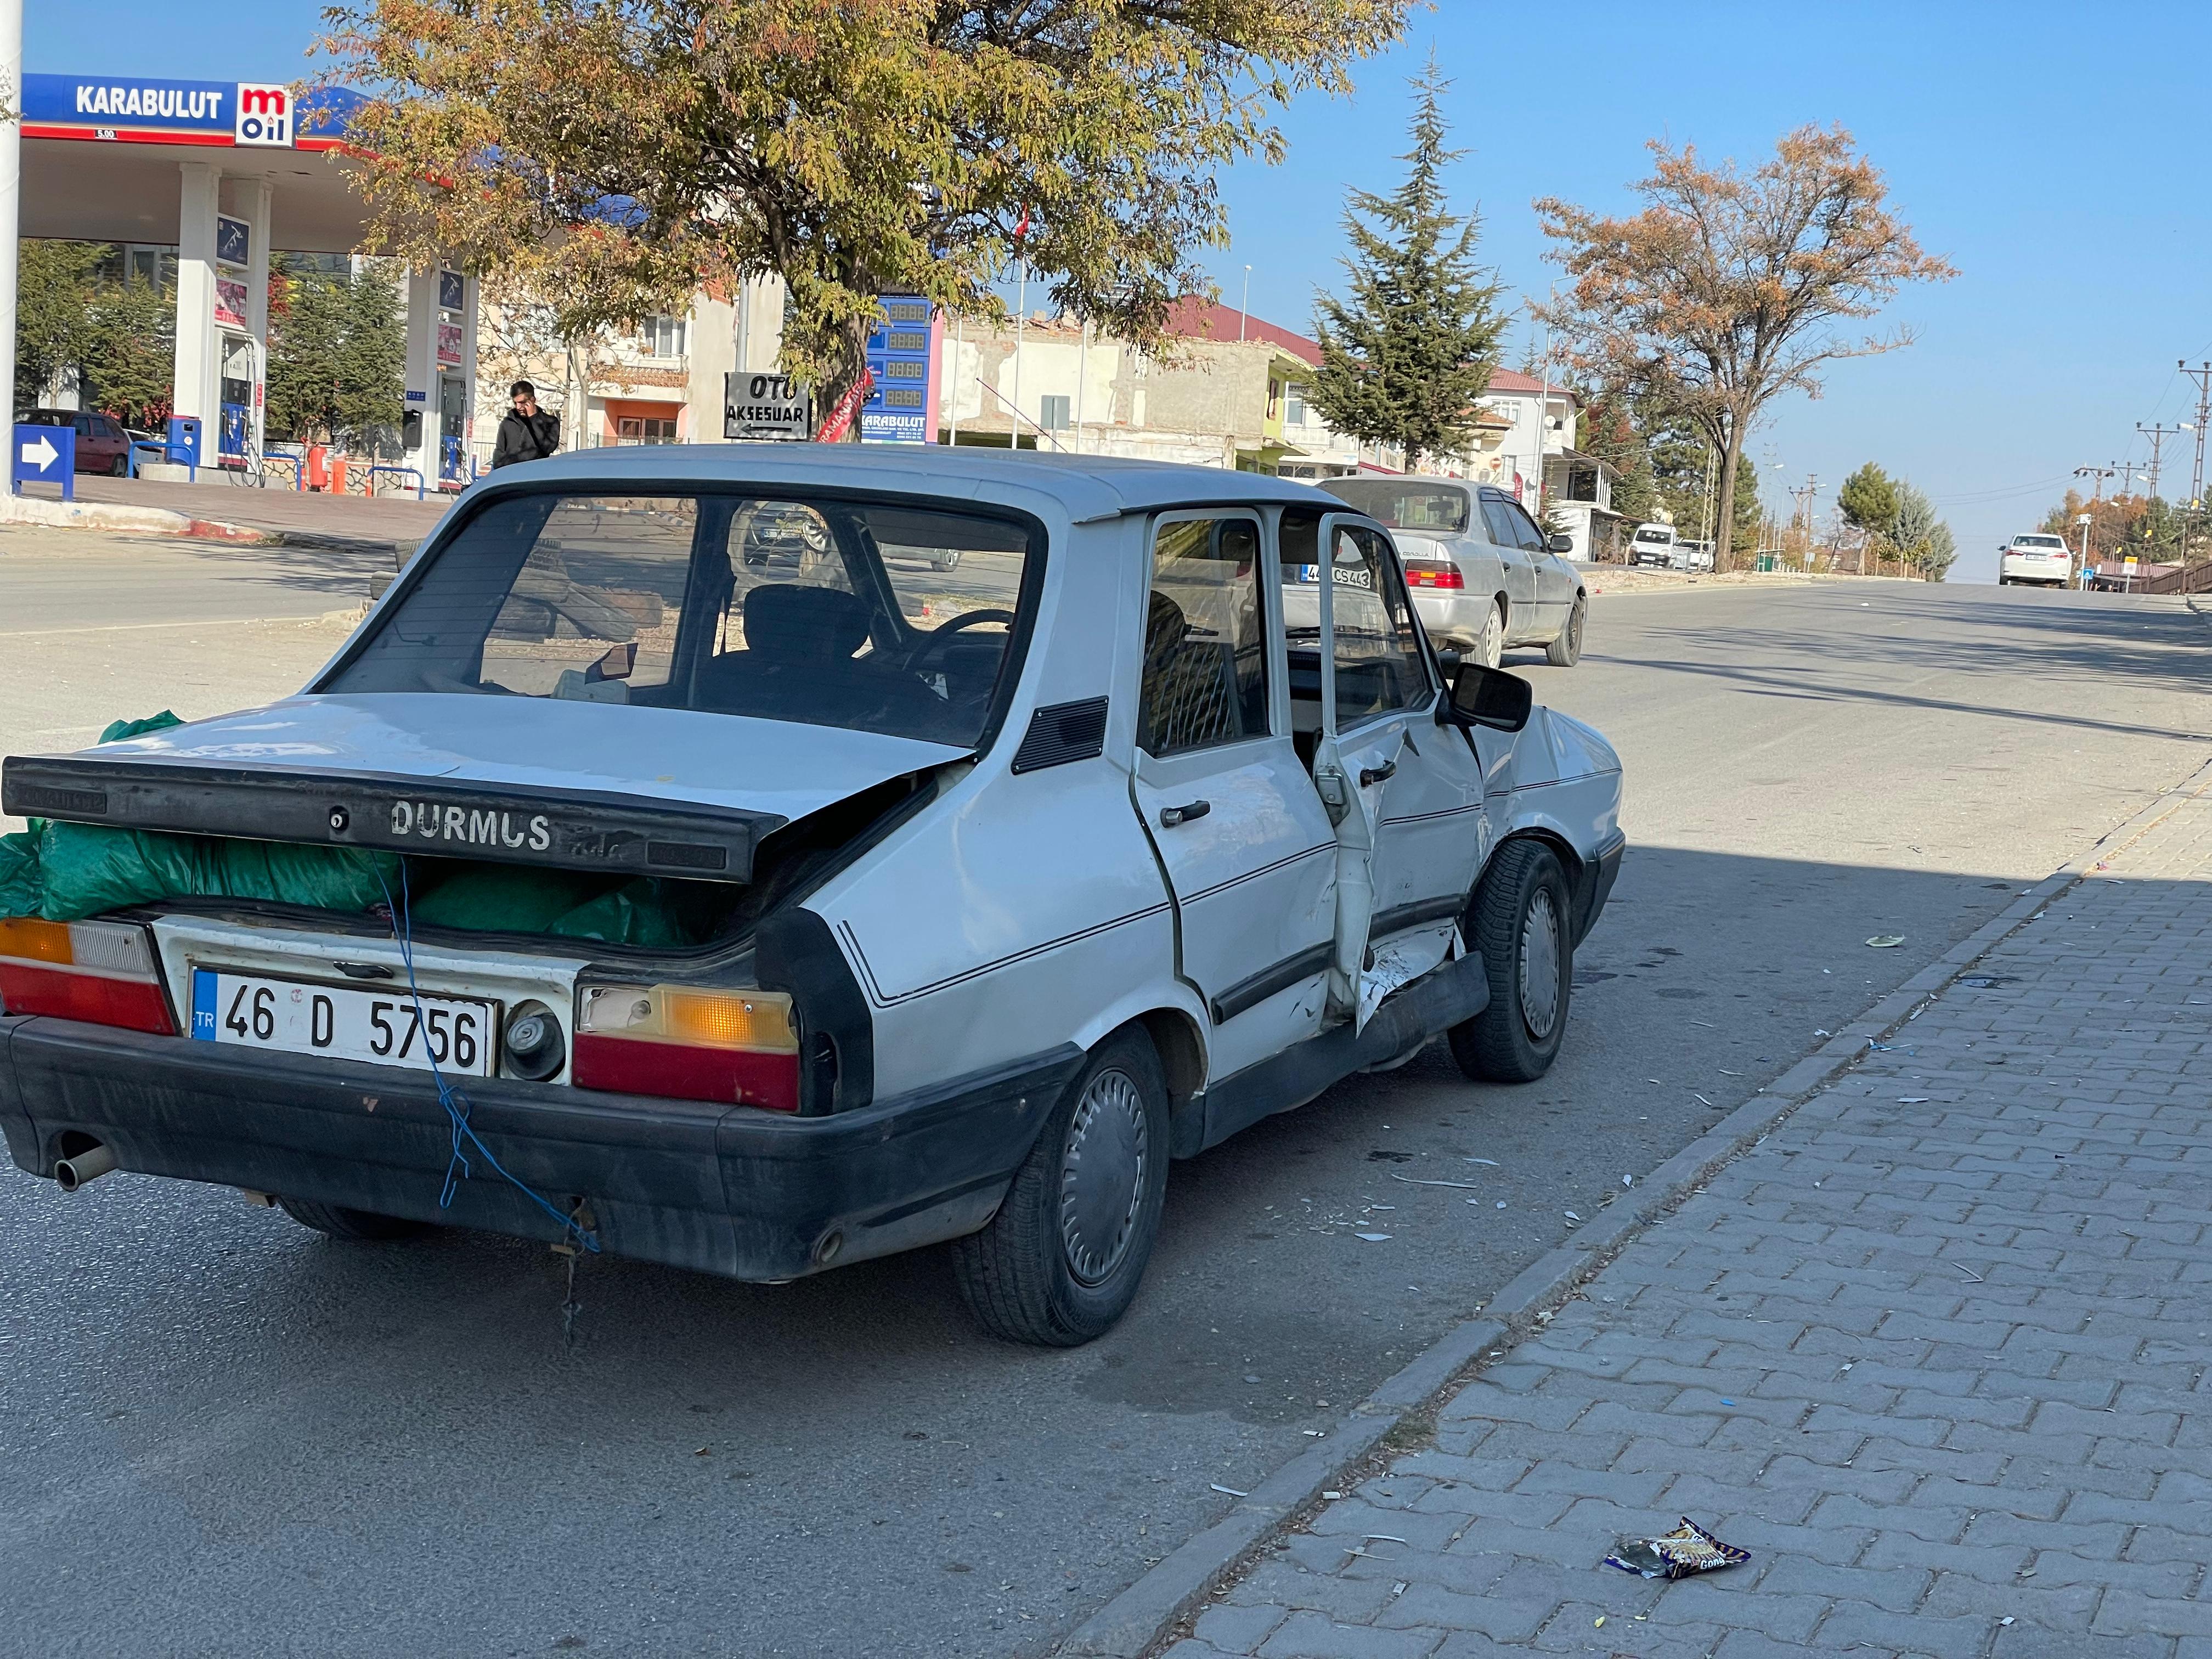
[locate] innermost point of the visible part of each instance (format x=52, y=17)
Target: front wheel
x=1566, y=651
x=1061, y=1260
x=945, y=559
x=1520, y=926
x=120, y=467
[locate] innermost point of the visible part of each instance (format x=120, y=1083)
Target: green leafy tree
x=1869, y=501
x=631, y=153
x=337, y=355
x=131, y=352
x=1921, y=539
x=1406, y=354
x=55, y=286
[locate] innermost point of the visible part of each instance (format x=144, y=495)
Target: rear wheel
x=339, y=1222
x=1061, y=1260
x=1566, y=651
x=1520, y=926
x=1489, y=647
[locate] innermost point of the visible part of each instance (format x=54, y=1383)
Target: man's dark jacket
x=526, y=438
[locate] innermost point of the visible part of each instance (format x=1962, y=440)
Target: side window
x=1498, y=520
x=1378, y=655
x=1525, y=527
x=1206, y=638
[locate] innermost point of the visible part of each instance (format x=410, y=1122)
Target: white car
x=2040, y=560
x=1653, y=543
x=1483, y=575
x=923, y=905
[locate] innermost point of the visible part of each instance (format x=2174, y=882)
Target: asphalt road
x=227, y=1434
x=75, y=582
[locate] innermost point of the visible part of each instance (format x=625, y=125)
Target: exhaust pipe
x=72, y=1173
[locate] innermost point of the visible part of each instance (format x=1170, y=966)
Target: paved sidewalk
x=1934, y=1351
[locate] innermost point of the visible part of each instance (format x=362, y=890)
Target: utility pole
x=2202, y=376
x=2099, y=473
x=2158, y=435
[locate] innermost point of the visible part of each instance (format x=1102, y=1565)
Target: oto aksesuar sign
x=770, y=406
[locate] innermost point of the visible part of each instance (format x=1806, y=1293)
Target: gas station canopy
x=228, y=172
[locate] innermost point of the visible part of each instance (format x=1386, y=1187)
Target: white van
x=1653, y=543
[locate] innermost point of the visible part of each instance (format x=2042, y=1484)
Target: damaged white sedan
x=762, y=861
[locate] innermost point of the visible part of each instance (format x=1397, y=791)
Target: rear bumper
x=1458, y=618
x=731, y=1190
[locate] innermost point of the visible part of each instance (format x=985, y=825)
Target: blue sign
x=248, y=114
x=43, y=454
x=899, y=356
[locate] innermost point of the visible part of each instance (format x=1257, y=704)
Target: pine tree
x=1406, y=354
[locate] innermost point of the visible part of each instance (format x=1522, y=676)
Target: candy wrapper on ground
x=1689, y=1548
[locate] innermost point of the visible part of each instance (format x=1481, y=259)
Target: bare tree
x=1728, y=288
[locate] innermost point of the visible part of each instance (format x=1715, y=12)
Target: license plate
x=382, y=1026
x=1346, y=575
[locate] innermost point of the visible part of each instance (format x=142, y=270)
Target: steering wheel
x=943, y=632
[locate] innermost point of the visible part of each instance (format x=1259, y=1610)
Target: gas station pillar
x=419, y=433
x=256, y=209
x=193, y=391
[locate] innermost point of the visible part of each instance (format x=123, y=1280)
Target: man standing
x=527, y=433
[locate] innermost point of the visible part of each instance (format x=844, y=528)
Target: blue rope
x=455, y=1103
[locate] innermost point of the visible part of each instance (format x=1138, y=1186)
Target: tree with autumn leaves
x=621, y=156
x=1731, y=288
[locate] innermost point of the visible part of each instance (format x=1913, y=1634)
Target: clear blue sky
x=2034, y=145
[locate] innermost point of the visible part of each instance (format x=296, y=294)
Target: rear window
x=2038, y=541
x=875, y=616
x=1405, y=505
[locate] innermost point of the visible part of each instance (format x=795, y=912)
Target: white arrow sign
x=43, y=452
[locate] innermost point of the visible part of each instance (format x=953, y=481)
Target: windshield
x=1405, y=505
x=1655, y=535
x=873, y=615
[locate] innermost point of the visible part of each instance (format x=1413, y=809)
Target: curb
x=108, y=515
x=1142, y=1616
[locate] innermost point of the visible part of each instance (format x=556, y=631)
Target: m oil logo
x=265, y=115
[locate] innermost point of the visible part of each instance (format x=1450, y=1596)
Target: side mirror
x=1561, y=543
x=1488, y=696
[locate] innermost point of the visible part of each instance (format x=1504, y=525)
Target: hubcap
x=1494, y=639
x=1102, y=1178
x=1539, y=965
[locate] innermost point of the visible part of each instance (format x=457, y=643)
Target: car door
x=1408, y=806
x=1551, y=579
x=1249, y=852
x=1521, y=602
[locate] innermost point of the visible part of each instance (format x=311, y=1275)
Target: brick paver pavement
x=1934, y=1351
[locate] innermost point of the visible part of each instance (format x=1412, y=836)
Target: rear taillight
x=687, y=1044
x=101, y=972
x=1434, y=576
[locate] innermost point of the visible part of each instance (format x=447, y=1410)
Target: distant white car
x=1694, y=557
x=1482, y=574
x=1653, y=543
x=2042, y=561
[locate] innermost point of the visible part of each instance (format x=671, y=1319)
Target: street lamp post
x=1243, y=305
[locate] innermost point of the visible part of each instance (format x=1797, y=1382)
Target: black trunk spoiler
x=565, y=828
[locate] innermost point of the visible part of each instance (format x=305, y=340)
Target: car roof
x=1088, y=486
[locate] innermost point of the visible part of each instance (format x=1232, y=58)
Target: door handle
x=1171, y=816
x=1371, y=775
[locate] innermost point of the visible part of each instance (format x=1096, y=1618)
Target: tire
x=358, y=1226
x=120, y=468
x=1519, y=923
x=947, y=559
x=1033, y=1275
x=1488, y=648
x=1566, y=651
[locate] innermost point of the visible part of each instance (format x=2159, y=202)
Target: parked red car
x=102, y=445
